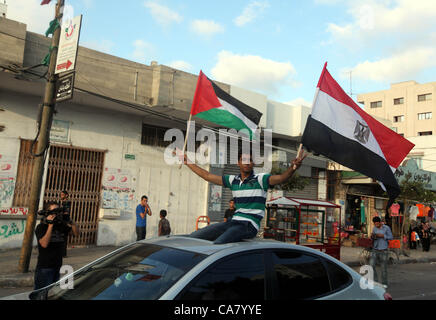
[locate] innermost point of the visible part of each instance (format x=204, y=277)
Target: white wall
x=287, y=119
x=425, y=148
x=179, y=191
x=12, y=232
x=280, y=117
x=253, y=99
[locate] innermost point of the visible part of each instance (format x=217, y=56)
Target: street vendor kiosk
x=312, y=223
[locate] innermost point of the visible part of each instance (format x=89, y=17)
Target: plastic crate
x=395, y=244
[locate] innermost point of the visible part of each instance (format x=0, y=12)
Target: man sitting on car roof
x=249, y=192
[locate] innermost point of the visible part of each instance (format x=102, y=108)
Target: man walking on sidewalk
x=381, y=234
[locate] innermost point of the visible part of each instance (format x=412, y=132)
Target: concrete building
x=409, y=105
x=107, y=143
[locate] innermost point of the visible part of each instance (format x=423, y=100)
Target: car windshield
x=140, y=272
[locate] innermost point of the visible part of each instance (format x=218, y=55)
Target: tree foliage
x=296, y=182
x=413, y=188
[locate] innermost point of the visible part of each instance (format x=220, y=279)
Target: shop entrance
x=78, y=171
x=355, y=214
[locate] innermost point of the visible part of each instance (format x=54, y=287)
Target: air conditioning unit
x=110, y=213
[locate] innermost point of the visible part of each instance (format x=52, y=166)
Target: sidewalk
x=78, y=257
x=350, y=256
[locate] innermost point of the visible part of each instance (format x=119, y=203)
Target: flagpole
x=298, y=154
x=186, y=140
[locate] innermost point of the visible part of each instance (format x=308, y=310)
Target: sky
x=277, y=48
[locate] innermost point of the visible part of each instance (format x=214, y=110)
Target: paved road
x=415, y=281
x=4, y=292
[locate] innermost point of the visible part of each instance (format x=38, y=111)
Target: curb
x=401, y=261
x=17, y=281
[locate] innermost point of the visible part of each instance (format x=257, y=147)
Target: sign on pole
x=65, y=87
x=68, y=45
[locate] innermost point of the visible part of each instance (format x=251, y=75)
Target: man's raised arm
x=206, y=175
x=296, y=163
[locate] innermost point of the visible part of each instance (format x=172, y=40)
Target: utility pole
x=42, y=145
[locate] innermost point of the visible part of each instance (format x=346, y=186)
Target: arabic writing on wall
x=7, y=187
x=14, y=211
x=10, y=229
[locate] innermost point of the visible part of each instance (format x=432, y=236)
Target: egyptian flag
x=340, y=130
x=213, y=104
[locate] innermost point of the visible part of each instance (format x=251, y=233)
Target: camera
x=60, y=218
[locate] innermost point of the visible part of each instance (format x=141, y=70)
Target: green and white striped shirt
x=250, y=196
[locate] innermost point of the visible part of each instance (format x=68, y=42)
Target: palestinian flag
x=213, y=104
x=340, y=130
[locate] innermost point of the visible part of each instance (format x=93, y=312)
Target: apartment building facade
x=409, y=105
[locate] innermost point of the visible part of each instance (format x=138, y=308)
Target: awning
x=283, y=201
x=297, y=202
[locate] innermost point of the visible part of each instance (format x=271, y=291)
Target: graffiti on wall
x=14, y=211
x=118, y=190
x=216, y=194
x=7, y=180
x=11, y=229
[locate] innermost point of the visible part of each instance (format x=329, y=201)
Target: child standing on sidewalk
x=164, y=224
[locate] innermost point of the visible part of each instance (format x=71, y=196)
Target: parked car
x=184, y=268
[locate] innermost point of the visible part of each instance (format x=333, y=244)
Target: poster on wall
x=118, y=189
x=216, y=194
x=60, y=131
x=8, y=169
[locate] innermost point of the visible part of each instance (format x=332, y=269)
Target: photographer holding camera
x=50, y=234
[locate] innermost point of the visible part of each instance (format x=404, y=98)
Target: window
x=425, y=133
x=424, y=97
x=398, y=101
x=239, y=277
x=399, y=119
x=154, y=136
x=139, y=272
x=377, y=104
x=395, y=129
x=425, y=116
x=339, y=278
x=299, y=276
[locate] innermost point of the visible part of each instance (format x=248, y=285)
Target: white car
x=184, y=268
